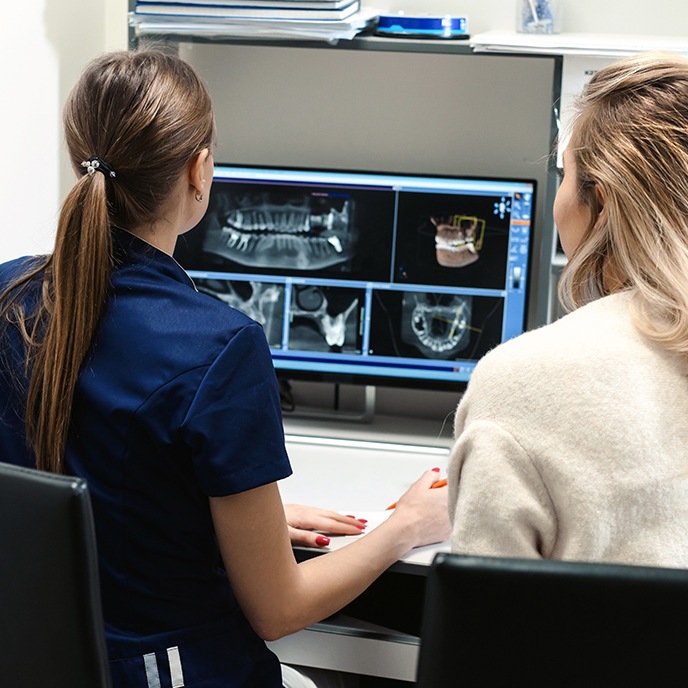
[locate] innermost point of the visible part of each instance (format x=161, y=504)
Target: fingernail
x=437, y=470
x=362, y=520
x=322, y=541
x=351, y=517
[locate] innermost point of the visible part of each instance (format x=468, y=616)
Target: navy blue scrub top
x=176, y=402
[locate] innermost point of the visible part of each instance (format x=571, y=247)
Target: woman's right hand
x=424, y=511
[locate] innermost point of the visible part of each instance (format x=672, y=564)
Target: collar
x=130, y=249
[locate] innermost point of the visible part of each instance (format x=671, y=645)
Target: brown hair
x=629, y=144
x=146, y=114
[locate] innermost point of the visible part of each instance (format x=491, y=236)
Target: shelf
x=364, y=41
x=590, y=44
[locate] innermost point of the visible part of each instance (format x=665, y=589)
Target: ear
x=197, y=172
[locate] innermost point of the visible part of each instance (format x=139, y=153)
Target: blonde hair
x=629, y=144
x=146, y=114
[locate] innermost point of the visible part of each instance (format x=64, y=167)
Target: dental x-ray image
x=270, y=228
x=325, y=319
x=452, y=240
x=437, y=324
x=300, y=229
x=432, y=325
x=262, y=301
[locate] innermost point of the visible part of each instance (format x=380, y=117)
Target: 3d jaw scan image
x=260, y=227
x=452, y=240
x=459, y=239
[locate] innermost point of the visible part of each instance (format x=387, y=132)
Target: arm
x=308, y=523
x=279, y=596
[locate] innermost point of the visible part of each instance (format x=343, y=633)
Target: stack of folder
x=330, y=19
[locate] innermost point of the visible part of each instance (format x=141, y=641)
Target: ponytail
x=76, y=282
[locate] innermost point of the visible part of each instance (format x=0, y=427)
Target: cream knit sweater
x=572, y=443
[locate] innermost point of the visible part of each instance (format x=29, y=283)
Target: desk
x=378, y=633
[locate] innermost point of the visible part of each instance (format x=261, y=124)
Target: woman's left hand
x=308, y=523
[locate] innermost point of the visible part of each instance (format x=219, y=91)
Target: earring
x=198, y=197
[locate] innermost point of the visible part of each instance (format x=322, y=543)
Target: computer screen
x=368, y=277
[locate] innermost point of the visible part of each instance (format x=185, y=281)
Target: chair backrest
x=51, y=625
x=493, y=622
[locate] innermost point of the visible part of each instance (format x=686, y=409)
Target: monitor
x=368, y=277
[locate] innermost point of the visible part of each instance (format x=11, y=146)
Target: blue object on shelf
x=409, y=26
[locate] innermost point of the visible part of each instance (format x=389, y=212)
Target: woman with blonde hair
x=572, y=440
x=115, y=369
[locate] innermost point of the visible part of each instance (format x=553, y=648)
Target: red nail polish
x=322, y=541
x=437, y=470
x=362, y=520
x=351, y=517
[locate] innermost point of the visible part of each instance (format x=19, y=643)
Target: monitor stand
x=335, y=413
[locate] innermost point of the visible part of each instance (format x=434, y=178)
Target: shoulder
x=14, y=269
x=159, y=326
x=596, y=330
x=580, y=354
x=157, y=301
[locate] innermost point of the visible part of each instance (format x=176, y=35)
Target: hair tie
x=95, y=163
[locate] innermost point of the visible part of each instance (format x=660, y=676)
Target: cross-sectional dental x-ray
x=366, y=275
x=262, y=301
x=434, y=325
x=325, y=319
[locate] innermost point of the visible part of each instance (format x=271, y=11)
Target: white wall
x=44, y=44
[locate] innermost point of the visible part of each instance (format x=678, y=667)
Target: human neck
x=164, y=238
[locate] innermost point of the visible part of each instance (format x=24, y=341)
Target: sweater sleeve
x=498, y=503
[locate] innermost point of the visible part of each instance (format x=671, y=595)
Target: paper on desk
x=418, y=555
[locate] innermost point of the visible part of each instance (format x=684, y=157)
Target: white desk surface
x=361, y=477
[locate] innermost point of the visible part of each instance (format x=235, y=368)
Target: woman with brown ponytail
x=114, y=368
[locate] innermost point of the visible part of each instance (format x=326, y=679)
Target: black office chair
x=51, y=626
x=511, y=622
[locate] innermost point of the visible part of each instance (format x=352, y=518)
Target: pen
x=439, y=483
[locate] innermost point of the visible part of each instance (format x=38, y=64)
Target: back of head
x=629, y=144
x=144, y=115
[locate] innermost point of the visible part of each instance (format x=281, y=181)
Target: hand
x=425, y=510
x=304, y=520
